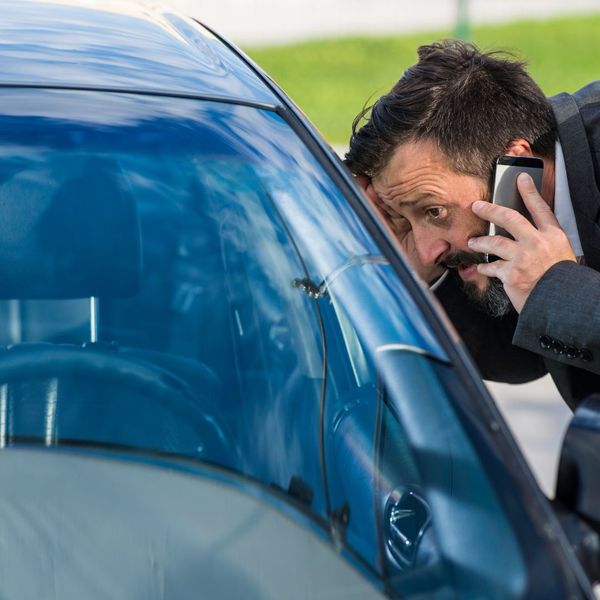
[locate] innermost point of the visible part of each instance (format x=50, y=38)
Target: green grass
x=332, y=79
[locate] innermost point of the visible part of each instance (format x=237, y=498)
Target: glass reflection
x=397, y=453
x=205, y=349
x=122, y=45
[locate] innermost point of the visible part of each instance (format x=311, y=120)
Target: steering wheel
x=170, y=416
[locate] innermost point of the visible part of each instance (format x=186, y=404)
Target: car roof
x=121, y=45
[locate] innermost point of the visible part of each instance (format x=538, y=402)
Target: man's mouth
x=467, y=271
x=465, y=264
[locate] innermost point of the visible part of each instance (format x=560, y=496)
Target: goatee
x=493, y=300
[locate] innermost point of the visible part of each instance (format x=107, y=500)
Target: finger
x=494, y=244
x=507, y=218
x=542, y=214
x=367, y=188
x=372, y=195
x=396, y=227
x=493, y=269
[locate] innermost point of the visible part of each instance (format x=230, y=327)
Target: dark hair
x=469, y=103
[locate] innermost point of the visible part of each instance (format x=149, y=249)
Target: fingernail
x=470, y=242
x=478, y=204
x=524, y=178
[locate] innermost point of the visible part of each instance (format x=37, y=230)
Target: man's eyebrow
x=404, y=203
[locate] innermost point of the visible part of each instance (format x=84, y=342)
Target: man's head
x=430, y=144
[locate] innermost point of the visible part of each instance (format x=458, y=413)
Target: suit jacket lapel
x=580, y=175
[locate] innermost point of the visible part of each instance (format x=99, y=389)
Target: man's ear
x=519, y=147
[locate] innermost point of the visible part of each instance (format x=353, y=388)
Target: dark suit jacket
x=558, y=330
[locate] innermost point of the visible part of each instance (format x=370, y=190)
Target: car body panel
x=119, y=45
x=158, y=533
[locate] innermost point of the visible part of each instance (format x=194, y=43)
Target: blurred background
x=331, y=56
x=334, y=56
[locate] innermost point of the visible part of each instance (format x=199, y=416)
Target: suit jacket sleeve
x=561, y=318
x=489, y=340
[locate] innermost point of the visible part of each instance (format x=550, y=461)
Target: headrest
x=69, y=231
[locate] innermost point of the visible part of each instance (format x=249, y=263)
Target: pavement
x=535, y=412
x=538, y=419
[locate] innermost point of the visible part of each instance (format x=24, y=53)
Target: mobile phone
x=505, y=192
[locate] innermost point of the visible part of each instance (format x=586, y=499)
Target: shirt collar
x=563, y=206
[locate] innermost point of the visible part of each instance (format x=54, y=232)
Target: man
x=426, y=156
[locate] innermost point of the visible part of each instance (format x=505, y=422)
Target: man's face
x=429, y=207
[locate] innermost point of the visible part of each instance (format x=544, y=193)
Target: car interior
x=70, y=244
x=138, y=318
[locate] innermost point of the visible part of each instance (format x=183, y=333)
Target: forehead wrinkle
x=412, y=194
x=418, y=183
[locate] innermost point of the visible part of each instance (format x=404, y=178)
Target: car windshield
x=152, y=240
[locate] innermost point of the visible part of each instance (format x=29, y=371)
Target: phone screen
x=505, y=192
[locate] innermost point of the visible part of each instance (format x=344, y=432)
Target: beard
x=493, y=299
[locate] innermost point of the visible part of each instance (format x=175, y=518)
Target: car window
x=415, y=502
x=148, y=234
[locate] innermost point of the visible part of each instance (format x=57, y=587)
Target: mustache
x=463, y=258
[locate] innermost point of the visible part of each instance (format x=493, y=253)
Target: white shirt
x=563, y=206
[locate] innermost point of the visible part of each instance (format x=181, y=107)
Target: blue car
x=218, y=376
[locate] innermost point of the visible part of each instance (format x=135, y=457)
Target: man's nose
x=431, y=250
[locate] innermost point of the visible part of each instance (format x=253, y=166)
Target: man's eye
x=435, y=212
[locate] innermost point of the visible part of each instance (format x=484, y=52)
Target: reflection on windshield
x=114, y=53
x=163, y=221
x=85, y=526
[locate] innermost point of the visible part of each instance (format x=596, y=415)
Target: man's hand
x=524, y=260
x=406, y=239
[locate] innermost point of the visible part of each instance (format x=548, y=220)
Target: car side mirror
x=578, y=481
x=577, y=499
